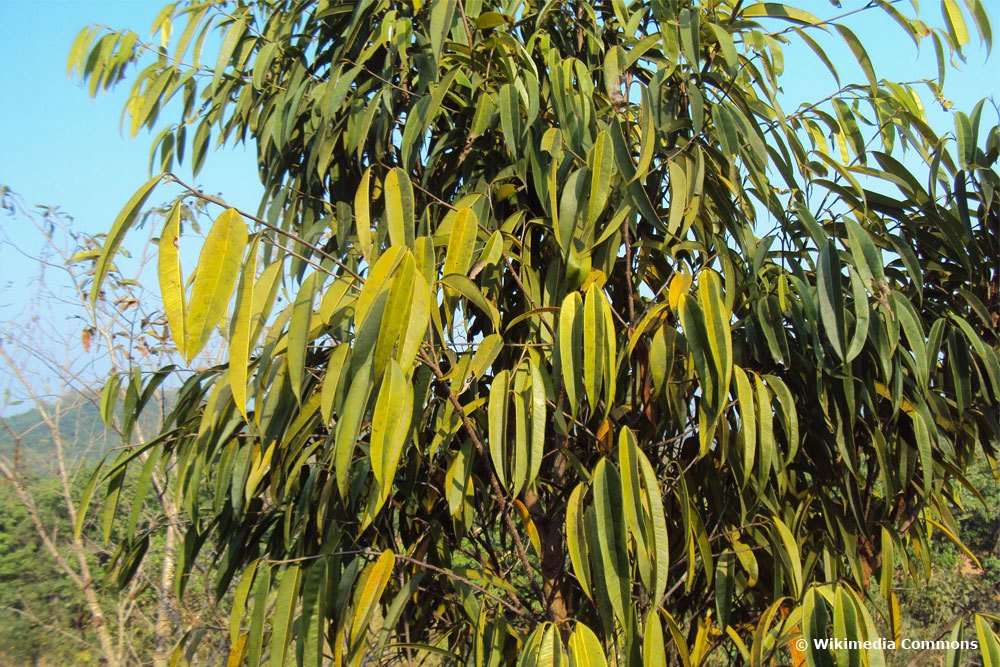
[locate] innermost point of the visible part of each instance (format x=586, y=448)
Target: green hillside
x=27, y=439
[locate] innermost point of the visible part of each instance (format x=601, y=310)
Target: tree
x=56, y=350
x=554, y=332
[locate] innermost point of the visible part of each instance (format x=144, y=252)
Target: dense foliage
x=555, y=332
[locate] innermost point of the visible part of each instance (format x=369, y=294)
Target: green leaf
x=845, y=626
x=139, y=493
x=966, y=141
x=748, y=421
x=442, y=16
x=241, y=325
x=678, y=638
x=283, y=615
x=85, y=497
x=576, y=539
x=233, y=36
x=725, y=584
x=376, y=282
x=538, y=419
x=613, y=558
x=255, y=638
x=313, y=620
x=861, y=317
x=982, y=20
x=791, y=555
x=109, y=398
x=497, y=411
x=593, y=344
x=657, y=534
x=707, y=330
x=416, y=326
x=831, y=297
x=602, y=168
x=520, y=452
x=924, y=450
x=866, y=256
x=126, y=218
x=396, y=315
x=789, y=415
x=571, y=348
x=726, y=46
x=860, y=53
x=820, y=53
x=298, y=332
x=632, y=495
x=331, y=380
x=487, y=352
x=215, y=278
x=910, y=323
x=678, y=196
x=349, y=425
x=717, y=328
x=510, y=117
x=240, y=596
x=765, y=424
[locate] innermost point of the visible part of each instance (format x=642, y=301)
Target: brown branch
x=497, y=490
x=263, y=223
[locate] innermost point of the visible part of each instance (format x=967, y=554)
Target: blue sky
x=59, y=147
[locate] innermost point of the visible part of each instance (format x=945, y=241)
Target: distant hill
x=27, y=439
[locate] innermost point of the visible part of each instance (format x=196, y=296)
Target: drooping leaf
x=215, y=278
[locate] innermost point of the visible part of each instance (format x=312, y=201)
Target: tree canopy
x=555, y=337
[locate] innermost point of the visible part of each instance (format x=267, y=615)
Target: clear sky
x=59, y=147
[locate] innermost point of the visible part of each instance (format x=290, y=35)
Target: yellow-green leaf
x=362, y=216
x=576, y=538
x=370, y=586
x=298, y=332
x=399, y=208
x=956, y=22
x=571, y=348
x=497, y=412
x=468, y=289
x=172, y=279
x=461, y=242
x=390, y=425
x=654, y=652
x=585, y=648
x=215, y=278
